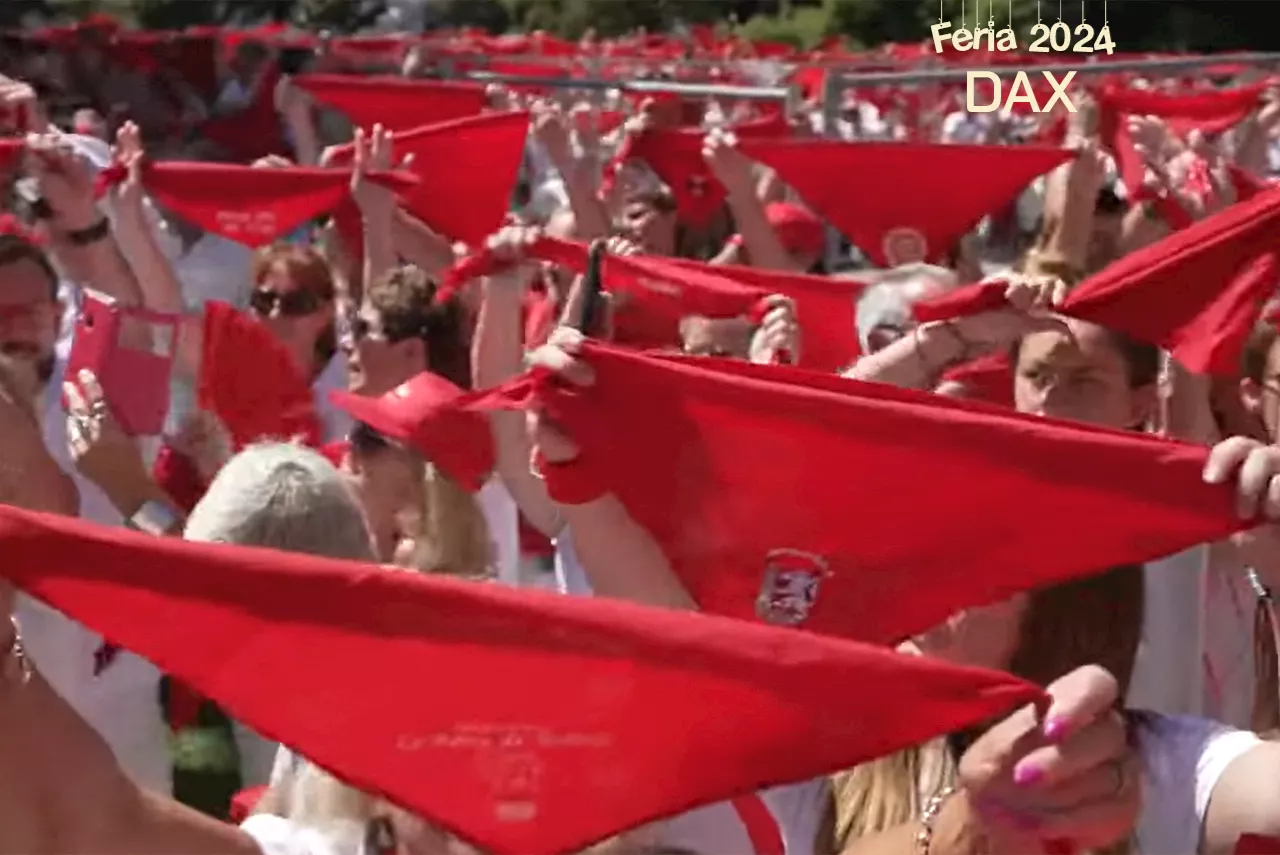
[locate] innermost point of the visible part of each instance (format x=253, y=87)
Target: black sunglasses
x=292, y=304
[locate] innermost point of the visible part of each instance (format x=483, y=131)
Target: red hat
x=496, y=713
x=421, y=413
x=1197, y=292
x=467, y=170
x=395, y=103
x=249, y=205
x=798, y=229
x=870, y=572
x=909, y=219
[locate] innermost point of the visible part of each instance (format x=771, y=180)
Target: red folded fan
x=826, y=309
x=652, y=294
x=1211, y=112
x=251, y=382
x=467, y=170
x=766, y=488
x=394, y=102
x=252, y=206
x=904, y=202
x=537, y=704
x=1196, y=292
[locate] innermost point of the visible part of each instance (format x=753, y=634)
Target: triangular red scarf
x=826, y=309
x=676, y=157
x=652, y=293
x=394, y=102
x=797, y=530
x=904, y=202
x=1196, y=292
x=468, y=170
x=1257, y=844
x=537, y=704
x=1211, y=111
x=1245, y=183
x=252, y=206
x=251, y=383
x=253, y=132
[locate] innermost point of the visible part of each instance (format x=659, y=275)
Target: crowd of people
x=392, y=464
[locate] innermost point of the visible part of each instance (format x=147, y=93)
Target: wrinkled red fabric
x=904, y=202
x=1211, y=111
x=691, y=448
x=1196, y=292
x=652, y=294
x=467, y=171
x=252, y=206
x=396, y=103
x=312, y=652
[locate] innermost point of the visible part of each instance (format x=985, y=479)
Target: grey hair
x=887, y=302
x=282, y=496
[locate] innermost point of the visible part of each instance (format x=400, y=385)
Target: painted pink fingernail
x=1055, y=728
x=1027, y=775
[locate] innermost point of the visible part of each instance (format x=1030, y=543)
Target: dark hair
x=365, y=441
x=404, y=299
x=1108, y=203
x=1142, y=360
x=14, y=249
x=1253, y=362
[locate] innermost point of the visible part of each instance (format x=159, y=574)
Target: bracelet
x=17, y=667
x=929, y=818
x=572, y=483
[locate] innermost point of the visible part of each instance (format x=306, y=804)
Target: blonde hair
x=1092, y=620
x=452, y=534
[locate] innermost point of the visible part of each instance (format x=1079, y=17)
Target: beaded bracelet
x=928, y=818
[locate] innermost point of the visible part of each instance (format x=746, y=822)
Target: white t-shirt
x=335, y=424
x=503, y=520
x=1183, y=759
x=122, y=702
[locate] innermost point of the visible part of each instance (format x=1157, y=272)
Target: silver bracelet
x=929, y=817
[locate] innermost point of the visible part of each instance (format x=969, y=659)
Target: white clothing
x=122, y=703
x=1183, y=760
x=1195, y=656
x=214, y=268
x=570, y=577
x=278, y=836
x=502, y=518
x=234, y=95
x=335, y=424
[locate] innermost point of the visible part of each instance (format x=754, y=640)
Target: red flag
x=328, y=656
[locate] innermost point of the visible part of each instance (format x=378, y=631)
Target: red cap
x=420, y=413
x=496, y=713
x=798, y=229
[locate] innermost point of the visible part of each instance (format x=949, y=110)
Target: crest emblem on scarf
x=789, y=591
x=904, y=245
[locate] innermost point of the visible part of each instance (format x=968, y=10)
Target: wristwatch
x=154, y=518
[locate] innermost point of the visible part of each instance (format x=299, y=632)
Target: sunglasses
x=360, y=329
x=292, y=304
